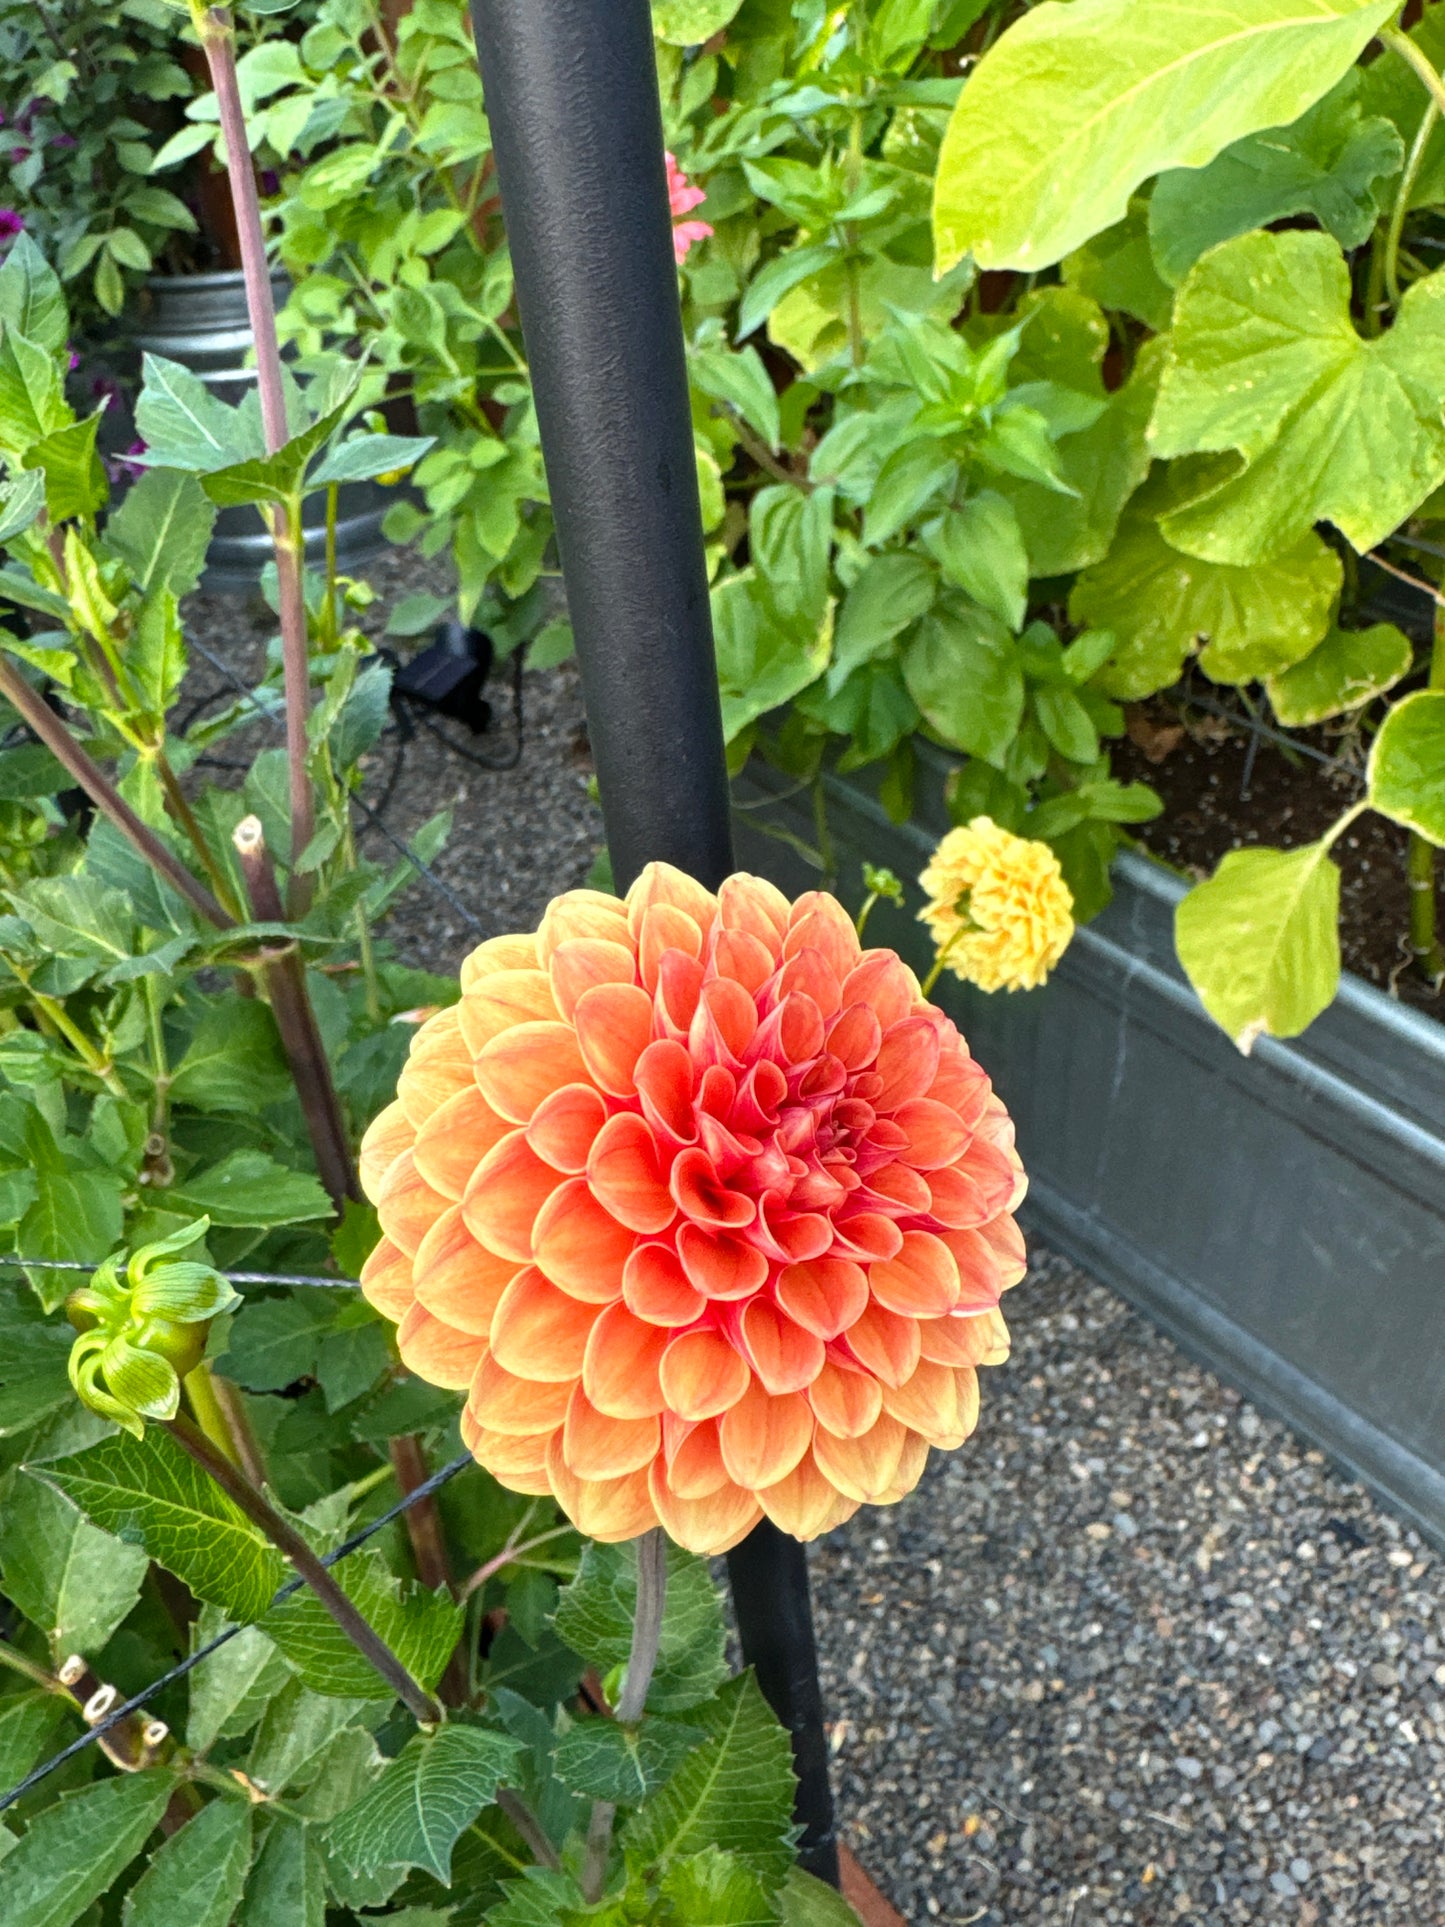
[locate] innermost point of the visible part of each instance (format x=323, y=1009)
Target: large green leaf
x=806, y=1902
x=1350, y=667
x=185, y=425
x=72, y=1852
x=287, y=1887
x=980, y=549
x=961, y=667
x=196, y=1878
x=1326, y=166
x=1075, y=105
x=299, y=1728
x=75, y=1582
x=1407, y=765
x=76, y=1214
x=890, y=592
x=29, y=1724
x=1391, y=87
x=595, y=1613
x=162, y=530
x=1265, y=366
x=734, y=1792
x=762, y=661
x=420, y=1627
x=687, y=23
x=416, y=1810
x=230, y=1690
x=31, y=298
x=75, y=482
x=606, y=1760
x=1260, y=941
x=1162, y=605
x=149, y=1493
x=716, y=1889
x=32, y=404
x=33, y=1355
x=249, y=1188
x=1116, y=269
x=234, y=1061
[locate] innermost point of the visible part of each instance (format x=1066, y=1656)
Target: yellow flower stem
x=1402, y=201
x=860, y=922
x=939, y=961
x=1405, y=47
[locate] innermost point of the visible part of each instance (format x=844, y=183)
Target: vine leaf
x=1349, y=668
x=1407, y=765
x=1076, y=105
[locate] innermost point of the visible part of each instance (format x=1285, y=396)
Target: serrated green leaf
x=287, y=1887
x=32, y=404
x=595, y=1613
x=184, y=425
x=72, y=1852
x=734, y=1792
x=33, y=1351
x=961, y=667
x=298, y=1729
x=687, y=23
x=1260, y=941
x=414, y=1813
x=232, y=1689
x=276, y=1341
x=624, y=1764
x=1406, y=773
x=149, y=1493
x=1325, y=165
x=365, y=456
x=715, y=1889
x=1074, y=106
x=29, y=1726
x=249, y=1188
x=891, y=592
x=806, y=1902
x=77, y=916
x=540, y=1898
x=762, y=662
x=76, y=1214
x=1161, y=605
x=196, y=1878
x=738, y=378
x=1265, y=365
x=1349, y=668
x=234, y=1061
x=22, y=501
x=162, y=530
x=421, y=1628
x=75, y=1582
x=75, y=483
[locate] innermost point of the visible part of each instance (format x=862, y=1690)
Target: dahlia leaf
x=230, y=1690
x=287, y=1887
x=198, y=1874
x=1260, y=941
x=1307, y=421
x=417, y=1809
x=623, y=1764
x=249, y=1188
x=1349, y=668
x=297, y=1731
x=595, y=1613
x=149, y=1493
x=719, y=1890
x=421, y=1628
x=806, y=1902
x=74, y=1851
x=1407, y=765
x=735, y=1792
x=1074, y=106
x=75, y=1582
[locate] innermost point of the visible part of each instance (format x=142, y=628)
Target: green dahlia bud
x=143, y=1326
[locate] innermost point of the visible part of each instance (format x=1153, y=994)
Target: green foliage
x=419, y=1805
x=595, y=1612
x=72, y=1852
x=1407, y=765
x=198, y=1875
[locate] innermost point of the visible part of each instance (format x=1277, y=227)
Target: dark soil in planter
x=1219, y=797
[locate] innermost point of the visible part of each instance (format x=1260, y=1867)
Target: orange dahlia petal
x=854, y=1037
x=911, y=1461
x=1006, y=1241
x=884, y=982
x=961, y=1084
x=664, y=927
x=580, y=1245
x=999, y=1342
x=386, y=1280
x=902, y=1186
x=437, y=1352
x=866, y=1234
x=921, y=1281
x=861, y=1468
x=390, y=1133
x=661, y=883
x=525, y=1065
x=614, y=1027
x=620, y=1372
x=957, y=1199
x=804, y=1503
x=680, y=980
x=665, y=1080
x=407, y=1205
x=498, y=953
x=785, y=1356
x=583, y=962
x=624, y=1171
x=596, y=1446
x=723, y=1023
x=809, y=973
x=694, y=1458
x=885, y=1344
x=705, y=1526
x=502, y=1402
x=936, y=1402
x=753, y=904
x=907, y=1062
x=579, y=914
x=540, y=1332
x=819, y=922
x=763, y=1438
x=719, y=1265
x=965, y=1338
x=455, y=1139
x=702, y=1375
x=457, y=1279
x=703, y=1197
x=517, y=1461
x=607, y=1509
x=979, y=1273
x=846, y=1403
x=506, y=997
x=656, y=1288
x=507, y=1191
x=935, y=1135
x=429, y=1077
x=564, y=1125
x=743, y=959
x=824, y=1295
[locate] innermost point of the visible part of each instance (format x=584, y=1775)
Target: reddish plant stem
x=428, y=1547
x=51, y=731
x=296, y=1022
x=217, y=35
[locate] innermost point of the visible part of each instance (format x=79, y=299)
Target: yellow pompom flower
x=998, y=906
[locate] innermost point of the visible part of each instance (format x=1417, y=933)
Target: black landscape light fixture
x=571, y=91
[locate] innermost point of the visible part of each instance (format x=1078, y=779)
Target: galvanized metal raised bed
x=1282, y=1215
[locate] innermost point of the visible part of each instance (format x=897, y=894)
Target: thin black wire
x=187, y=1665
x=235, y=1277
x=1254, y=727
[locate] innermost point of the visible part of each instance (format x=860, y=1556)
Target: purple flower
x=74, y=361
x=121, y=469
x=10, y=224
x=63, y=140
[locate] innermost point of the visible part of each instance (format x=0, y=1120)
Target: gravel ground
x=1135, y=1655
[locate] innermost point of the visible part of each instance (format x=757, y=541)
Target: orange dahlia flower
x=705, y=1208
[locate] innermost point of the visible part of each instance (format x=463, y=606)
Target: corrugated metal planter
x=200, y=321
x=1282, y=1215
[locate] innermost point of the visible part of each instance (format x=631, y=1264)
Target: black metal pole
x=571, y=88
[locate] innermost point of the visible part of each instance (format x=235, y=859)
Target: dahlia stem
x=367, y=1641
x=641, y=1664
x=429, y=1550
